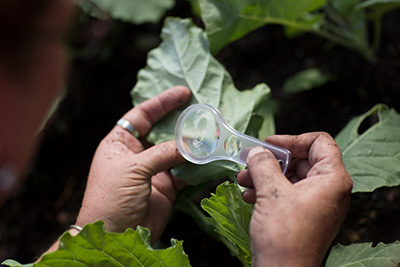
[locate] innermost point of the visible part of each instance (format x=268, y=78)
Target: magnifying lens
x=202, y=136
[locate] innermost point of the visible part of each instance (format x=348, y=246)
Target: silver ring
x=128, y=126
x=76, y=227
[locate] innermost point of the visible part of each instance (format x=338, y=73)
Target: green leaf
x=308, y=21
x=372, y=158
x=13, y=263
x=183, y=58
x=229, y=20
x=231, y=216
x=136, y=11
x=364, y=255
x=95, y=247
x=262, y=123
x=195, y=7
x=198, y=174
x=306, y=80
x=379, y=4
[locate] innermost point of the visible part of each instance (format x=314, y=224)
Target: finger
x=159, y=158
x=265, y=172
x=322, y=158
x=168, y=185
x=299, y=145
x=147, y=113
x=244, y=179
x=324, y=148
x=165, y=188
x=312, y=146
x=249, y=195
x=143, y=116
x=300, y=168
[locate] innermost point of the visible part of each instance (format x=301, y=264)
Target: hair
x=18, y=29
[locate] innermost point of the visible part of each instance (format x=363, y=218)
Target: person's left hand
x=129, y=185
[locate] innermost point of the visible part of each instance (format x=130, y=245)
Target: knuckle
x=138, y=170
x=327, y=136
x=320, y=134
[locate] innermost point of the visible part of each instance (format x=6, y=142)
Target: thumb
x=265, y=171
x=161, y=157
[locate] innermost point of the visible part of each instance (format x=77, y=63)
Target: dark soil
x=98, y=94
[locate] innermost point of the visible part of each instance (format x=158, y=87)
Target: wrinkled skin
x=295, y=220
x=129, y=185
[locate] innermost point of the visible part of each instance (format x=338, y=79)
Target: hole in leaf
x=368, y=122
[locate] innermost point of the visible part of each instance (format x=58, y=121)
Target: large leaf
x=364, y=255
x=261, y=123
x=372, y=158
x=136, y=11
x=229, y=20
x=335, y=20
x=231, y=216
x=183, y=58
x=199, y=174
x=95, y=247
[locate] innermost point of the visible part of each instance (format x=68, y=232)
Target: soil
x=98, y=94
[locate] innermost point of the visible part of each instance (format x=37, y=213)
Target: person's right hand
x=294, y=221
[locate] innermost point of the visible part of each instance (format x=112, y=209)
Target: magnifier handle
x=248, y=142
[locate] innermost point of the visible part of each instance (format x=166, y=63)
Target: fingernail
x=254, y=151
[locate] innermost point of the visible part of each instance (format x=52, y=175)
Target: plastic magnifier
x=202, y=136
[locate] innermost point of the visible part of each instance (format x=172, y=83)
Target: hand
x=129, y=185
x=293, y=224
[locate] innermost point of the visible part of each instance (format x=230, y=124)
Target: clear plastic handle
x=202, y=136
